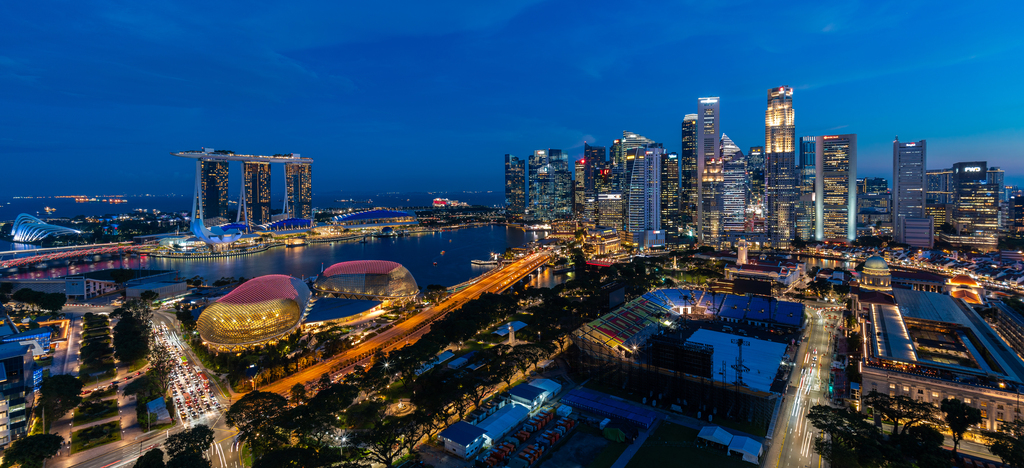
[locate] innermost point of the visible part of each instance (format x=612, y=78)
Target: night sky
x=402, y=96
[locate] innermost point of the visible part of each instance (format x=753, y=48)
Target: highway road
x=407, y=332
x=794, y=435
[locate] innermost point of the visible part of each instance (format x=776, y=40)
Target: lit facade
x=256, y=191
x=940, y=186
x=976, y=206
x=259, y=311
x=670, y=216
x=550, y=185
x=781, y=191
x=299, y=190
x=755, y=170
x=876, y=276
x=609, y=210
x=583, y=188
x=367, y=279
x=806, y=170
x=709, y=191
x=735, y=187
x=515, y=186
x=835, y=187
x=689, y=179
x=28, y=228
x=909, y=190
x=214, y=188
x=644, y=191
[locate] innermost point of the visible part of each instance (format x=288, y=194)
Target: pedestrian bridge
x=21, y=258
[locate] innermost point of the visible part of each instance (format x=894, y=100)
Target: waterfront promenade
x=415, y=327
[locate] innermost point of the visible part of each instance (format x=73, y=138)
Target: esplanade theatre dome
x=260, y=310
x=876, y=276
x=367, y=279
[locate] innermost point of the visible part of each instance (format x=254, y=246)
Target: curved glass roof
x=373, y=214
x=260, y=310
x=28, y=228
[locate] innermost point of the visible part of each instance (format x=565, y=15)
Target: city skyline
x=123, y=86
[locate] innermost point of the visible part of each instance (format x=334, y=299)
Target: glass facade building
x=689, y=179
x=214, y=195
x=299, y=190
x=256, y=193
x=909, y=189
x=670, y=216
x=835, y=203
x=367, y=279
x=781, y=191
x=515, y=186
x=976, y=205
x=709, y=166
x=735, y=185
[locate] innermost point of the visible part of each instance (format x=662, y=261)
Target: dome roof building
x=875, y=276
x=367, y=279
x=259, y=311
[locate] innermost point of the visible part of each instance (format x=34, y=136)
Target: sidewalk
x=631, y=450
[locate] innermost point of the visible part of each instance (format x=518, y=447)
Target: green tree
x=32, y=451
x=193, y=441
x=28, y=296
x=53, y=302
x=390, y=438
x=133, y=332
x=189, y=460
x=151, y=459
x=1008, y=444
x=255, y=416
x=298, y=394
x=901, y=408
x=122, y=276
x=149, y=296
x=959, y=417
x=59, y=394
x=851, y=440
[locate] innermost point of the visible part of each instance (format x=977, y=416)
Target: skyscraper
x=583, y=187
x=755, y=169
x=298, y=179
x=708, y=153
x=644, y=213
x=976, y=202
x=996, y=176
x=515, y=186
x=806, y=169
x=670, y=219
x=689, y=176
x=539, y=177
x=835, y=202
x=215, y=188
x=735, y=186
x=909, y=186
x=595, y=159
x=781, y=191
x=561, y=180
x=940, y=186
x=256, y=209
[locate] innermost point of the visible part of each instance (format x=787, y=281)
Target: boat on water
x=484, y=262
x=295, y=242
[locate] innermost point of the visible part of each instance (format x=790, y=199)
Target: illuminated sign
x=972, y=169
x=911, y=144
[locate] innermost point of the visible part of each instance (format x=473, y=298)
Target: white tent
x=550, y=386
x=716, y=435
x=748, y=448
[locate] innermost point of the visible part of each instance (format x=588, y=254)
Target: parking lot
x=194, y=400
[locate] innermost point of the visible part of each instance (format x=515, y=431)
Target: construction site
x=670, y=349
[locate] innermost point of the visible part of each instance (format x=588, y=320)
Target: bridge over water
x=23, y=258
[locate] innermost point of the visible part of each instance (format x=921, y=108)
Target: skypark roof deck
x=210, y=153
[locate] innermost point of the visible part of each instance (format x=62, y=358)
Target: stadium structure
x=28, y=228
x=379, y=280
x=665, y=346
x=375, y=218
x=257, y=312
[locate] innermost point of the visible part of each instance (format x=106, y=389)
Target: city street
x=495, y=282
x=794, y=436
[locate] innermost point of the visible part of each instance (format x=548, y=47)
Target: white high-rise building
x=909, y=192
x=735, y=185
x=835, y=186
x=644, y=213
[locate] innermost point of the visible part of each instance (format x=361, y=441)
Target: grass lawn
x=44, y=361
x=246, y=455
x=609, y=454
x=160, y=427
x=101, y=394
x=663, y=448
x=95, y=436
x=138, y=365
x=94, y=410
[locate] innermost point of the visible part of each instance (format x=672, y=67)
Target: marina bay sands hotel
x=211, y=187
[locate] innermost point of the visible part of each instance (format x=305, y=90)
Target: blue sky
x=429, y=96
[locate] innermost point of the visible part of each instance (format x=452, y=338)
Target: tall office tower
x=214, y=183
x=609, y=209
x=781, y=191
x=835, y=198
x=996, y=176
x=18, y=397
x=755, y=169
x=940, y=186
x=595, y=154
x=584, y=186
x=603, y=184
x=806, y=169
x=539, y=195
x=644, y=213
x=298, y=178
x=561, y=184
x=632, y=140
x=910, y=224
x=976, y=202
x=256, y=193
x=689, y=177
x=617, y=156
x=708, y=152
x=734, y=186
x=872, y=186
x=515, y=186
x=670, y=218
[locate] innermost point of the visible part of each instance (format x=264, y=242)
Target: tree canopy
x=32, y=451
